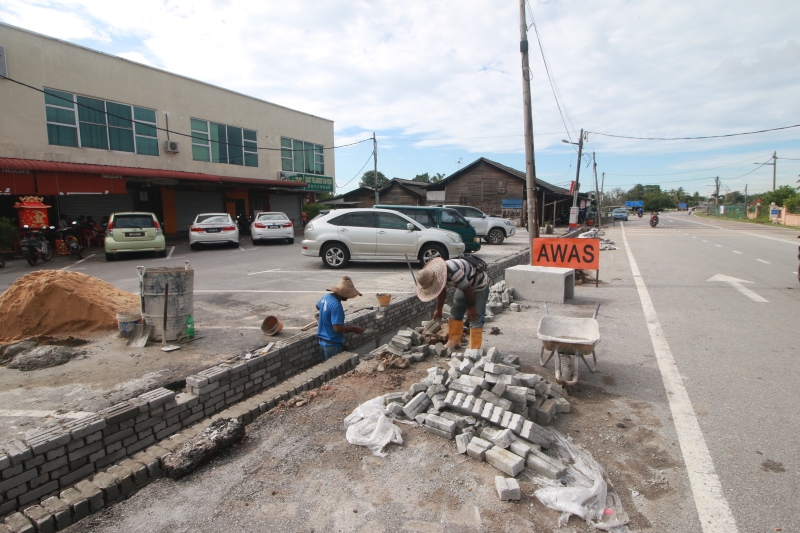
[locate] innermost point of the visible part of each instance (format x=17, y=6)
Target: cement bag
x=369, y=426
x=587, y=493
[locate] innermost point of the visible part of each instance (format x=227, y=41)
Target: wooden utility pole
x=596, y=193
x=530, y=163
x=716, y=193
x=774, y=168
x=375, y=170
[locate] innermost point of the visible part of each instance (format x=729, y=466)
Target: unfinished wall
x=51, y=460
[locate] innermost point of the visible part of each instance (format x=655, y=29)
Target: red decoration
x=32, y=212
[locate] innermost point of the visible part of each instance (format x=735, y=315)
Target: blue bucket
x=127, y=321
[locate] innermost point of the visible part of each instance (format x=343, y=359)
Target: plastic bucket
x=384, y=299
x=271, y=326
x=127, y=321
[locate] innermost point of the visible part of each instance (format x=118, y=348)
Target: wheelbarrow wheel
x=566, y=366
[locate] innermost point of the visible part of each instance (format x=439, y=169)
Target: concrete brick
x=18, y=523
x=110, y=458
x=516, y=393
x=502, y=438
x=546, y=412
x=545, y=465
x=138, y=471
x=38, y=492
x=507, y=488
x=441, y=423
x=497, y=415
x=84, y=451
x=505, y=461
x=77, y=502
x=504, y=422
x=499, y=368
x=465, y=388
x=528, y=380
x=46, y=440
x=17, y=480
x=60, y=512
x=76, y=475
x=7, y=506
x=493, y=355
x=41, y=519
x=488, y=396
x=119, y=413
x=17, y=452
x=505, y=379
x=477, y=407
x=536, y=434
x=488, y=409
x=151, y=463
x=85, y=426
x=124, y=478
x=439, y=432
x=5, y=462
x=108, y=484
x=563, y=405
x=93, y=494
x=417, y=404
x=477, y=448
x=516, y=422
x=519, y=448
x=462, y=441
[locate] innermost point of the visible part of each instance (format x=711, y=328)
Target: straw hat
x=431, y=279
x=345, y=288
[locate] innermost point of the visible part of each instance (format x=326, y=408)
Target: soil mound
x=53, y=302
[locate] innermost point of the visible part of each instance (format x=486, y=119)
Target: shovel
x=164, y=346
x=140, y=335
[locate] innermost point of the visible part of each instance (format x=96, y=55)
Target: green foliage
x=312, y=210
x=427, y=178
x=654, y=198
x=368, y=179
x=792, y=205
x=8, y=232
x=779, y=195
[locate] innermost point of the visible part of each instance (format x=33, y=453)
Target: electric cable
x=150, y=124
x=694, y=138
x=357, y=173
x=685, y=172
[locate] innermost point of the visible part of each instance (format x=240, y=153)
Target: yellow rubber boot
x=456, y=330
x=475, y=338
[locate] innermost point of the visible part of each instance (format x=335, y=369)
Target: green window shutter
x=147, y=115
x=200, y=153
x=119, y=115
x=59, y=98
x=120, y=139
x=62, y=135
x=286, y=143
x=299, y=160
x=91, y=110
x=93, y=136
x=249, y=135
x=62, y=116
x=144, y=129
x=235, y=148
x=286, y=164
x=146, y=146
x=250, y=159
x=219, y=146
x=199, y=125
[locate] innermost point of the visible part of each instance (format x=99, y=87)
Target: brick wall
x=50, y=460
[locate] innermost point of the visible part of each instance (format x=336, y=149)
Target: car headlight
x=309, y=227
x=508, y=222
x=455, y=237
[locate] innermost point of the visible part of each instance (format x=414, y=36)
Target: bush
x=7, y=233
x=792, y=204
x=312, y=210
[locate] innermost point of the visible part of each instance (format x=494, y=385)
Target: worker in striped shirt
x=469, y=299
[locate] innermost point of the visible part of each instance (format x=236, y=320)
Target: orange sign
x=581, y=254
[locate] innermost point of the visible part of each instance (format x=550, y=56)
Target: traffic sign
x=634, y=203
x=567, y=253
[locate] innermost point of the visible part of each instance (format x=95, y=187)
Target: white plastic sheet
x=368, y=425
x=587, y=493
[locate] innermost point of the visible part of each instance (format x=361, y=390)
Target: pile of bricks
x=494, y=412
x=500, y=298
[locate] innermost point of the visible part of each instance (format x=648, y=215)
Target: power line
x=395, y=139
x=687, y=171
x=694, y=138
x=357, y=173
x=150, y=124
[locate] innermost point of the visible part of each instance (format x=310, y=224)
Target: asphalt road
x=736, y=352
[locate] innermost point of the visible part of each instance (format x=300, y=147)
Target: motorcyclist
x=640, y=212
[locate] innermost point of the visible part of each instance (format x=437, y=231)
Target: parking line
x=712, y=508
x=169, y=255
x=705, y=240
x=263, y=271
x=78, y=262
x=718, y=245
x=767, y=262
x=734, y=251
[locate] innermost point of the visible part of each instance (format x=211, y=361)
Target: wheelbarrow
x=568, y=338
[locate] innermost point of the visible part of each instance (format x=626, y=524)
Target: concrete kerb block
x=18, y=523
x=60, y=511
x=77, y=502
x=550, y=284
x=507, y=488
x=505, y=461
x=41, y=519
x=93, y=493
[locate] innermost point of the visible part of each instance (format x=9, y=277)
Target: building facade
x=94, y=134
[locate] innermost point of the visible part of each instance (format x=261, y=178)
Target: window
x=299, y=156
x=502, y=186
x=390, y=221
x=133, y=221
x=425, y=217
x=470, y=212
x=219, y=143
x=99, y=124
x=360, y=220
x=451, y=217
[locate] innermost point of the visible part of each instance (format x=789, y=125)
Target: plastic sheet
x=368, y=425
x=585, y=491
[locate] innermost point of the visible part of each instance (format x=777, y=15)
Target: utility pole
x=716, y=194
x=745, y=200
x=530, y=163
x=774, y=168
x=596, y=192
x=375, y=170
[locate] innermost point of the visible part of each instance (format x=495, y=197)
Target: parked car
x=134, y=232
x=273, y=225
x=442, y=218
x=493, y=230
x=620, y=213
x=375, y=235
x=213, y=228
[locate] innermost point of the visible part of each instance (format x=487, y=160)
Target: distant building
x=91, y=137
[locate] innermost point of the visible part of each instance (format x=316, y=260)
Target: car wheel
x=162, y=253
x=335, y=255
x=432, y=251
x=496, y=236
x=110, y=257
x=194, y=246
x=290, y=241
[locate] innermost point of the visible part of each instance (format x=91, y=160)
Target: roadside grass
x=764, y=221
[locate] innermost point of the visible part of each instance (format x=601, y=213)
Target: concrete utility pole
x=716, y=193
x=596, y=192
x=530, y=163
x=577, y=178
x=774, y=168
x=375, y=171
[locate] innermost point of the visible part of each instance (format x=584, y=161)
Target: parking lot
x=234, y=290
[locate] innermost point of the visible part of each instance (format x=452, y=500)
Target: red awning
x=7, y=163
x=53, y=183
x=17, y=184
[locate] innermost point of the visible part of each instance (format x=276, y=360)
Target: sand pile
x=52, y=301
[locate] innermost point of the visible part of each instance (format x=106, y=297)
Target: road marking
x=712, y=508
x=243, y=249
x=737, y=284
x=169, y=255
x=263, y=271
x=36, y=413
x=734, y=251
x=78, y=262
x=705, y=240
x=168, y=258
x=718, y=245
x=767, y=262
x=743, y=232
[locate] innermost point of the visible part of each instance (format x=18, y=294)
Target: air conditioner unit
x=172, y=147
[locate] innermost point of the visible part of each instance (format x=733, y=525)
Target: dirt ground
x=296, y=472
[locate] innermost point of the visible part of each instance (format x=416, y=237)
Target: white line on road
x=78, y=262
x=36, y=413
x=737, y=284
x=767, y=262
x=712, y=508
x=718, y=245
x=705, y=240
x=742, y=232
x=169, y=255
x=263, y=271
x=734, y=251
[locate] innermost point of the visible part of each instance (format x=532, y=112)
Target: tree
x=368, y=179
x=424, y=178
x=779, y=195
x=436, y=178
x=615, y=196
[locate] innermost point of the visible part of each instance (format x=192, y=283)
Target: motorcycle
x=243, y=221
x=639, y=214
x=68, y=235
x=35, y=246
x=654, y=221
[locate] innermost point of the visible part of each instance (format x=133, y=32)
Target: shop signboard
x=314, y=182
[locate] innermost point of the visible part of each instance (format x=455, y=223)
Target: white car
x=210, y=228
x=375, y=235
x=493, y=230
x=274, y=225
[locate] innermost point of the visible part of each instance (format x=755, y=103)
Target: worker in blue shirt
x=330, y=327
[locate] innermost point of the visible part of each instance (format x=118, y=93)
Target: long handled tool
x=427, y=313
x=164, y=346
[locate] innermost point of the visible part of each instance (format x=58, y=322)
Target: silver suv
x=375, y=235
x=493, y=230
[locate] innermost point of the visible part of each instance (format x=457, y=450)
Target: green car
x=440, y=217
x=134, y=232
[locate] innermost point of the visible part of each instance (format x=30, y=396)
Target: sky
x=440, y=83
